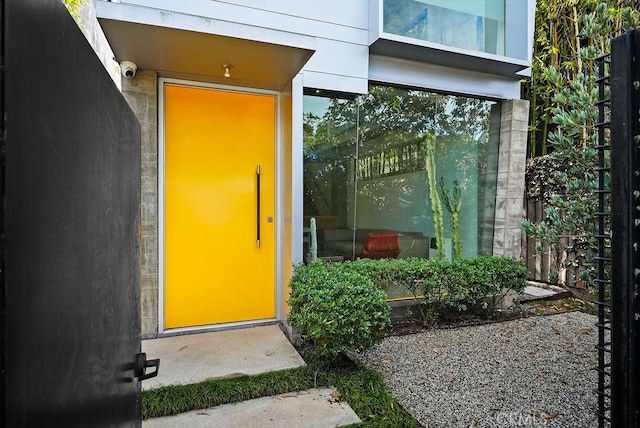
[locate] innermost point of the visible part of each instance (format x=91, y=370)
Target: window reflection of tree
x=391, y=132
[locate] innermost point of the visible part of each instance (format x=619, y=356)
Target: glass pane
x=392, y=188
x=366, y=166
x=329, y=149
x=476, y=25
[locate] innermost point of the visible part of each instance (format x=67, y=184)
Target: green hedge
x=341, y=306
x=442, y=285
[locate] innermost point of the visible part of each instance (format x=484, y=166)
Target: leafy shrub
x=490, y=279
x=440, y=281
x=442, y=285
x=336, y=308
x=506, y=272
x=341, y=306
x=380, y=273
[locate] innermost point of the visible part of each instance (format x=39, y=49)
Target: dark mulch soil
x=404, y=326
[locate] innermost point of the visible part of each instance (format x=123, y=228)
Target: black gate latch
x=142, y=364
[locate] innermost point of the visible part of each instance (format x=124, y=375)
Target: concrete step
x=230, y=353
x=539, y=291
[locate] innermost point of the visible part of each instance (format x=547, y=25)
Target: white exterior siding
x=342, y=31
x=440, y=78
x=347, y=13
x=338, y=66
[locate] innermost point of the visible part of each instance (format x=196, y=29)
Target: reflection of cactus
x=436, y=205
x=313, y=247
x=453, y=203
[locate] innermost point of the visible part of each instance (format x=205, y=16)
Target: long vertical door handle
x=258, y=206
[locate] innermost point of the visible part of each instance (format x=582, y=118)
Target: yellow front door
x=219, y=206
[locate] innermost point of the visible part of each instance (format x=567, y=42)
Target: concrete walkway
x=231, y=353
x=307, y=409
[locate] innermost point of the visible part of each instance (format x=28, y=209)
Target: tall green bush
x=558, y=41
x=567, y=181
x=336, y=308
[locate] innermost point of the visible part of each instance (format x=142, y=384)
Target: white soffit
x=392, y=45
x=179, y=46
x=440, y=78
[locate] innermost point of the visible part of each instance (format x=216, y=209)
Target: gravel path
x=529, y=372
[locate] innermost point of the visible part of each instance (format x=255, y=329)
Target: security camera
x=128, y=69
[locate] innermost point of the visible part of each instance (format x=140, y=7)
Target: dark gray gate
x=622, y=405
x=70, y=171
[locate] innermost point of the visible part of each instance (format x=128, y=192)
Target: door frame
x=279, y=214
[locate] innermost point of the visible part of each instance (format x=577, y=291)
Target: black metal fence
x=603, y=236
x=619, y=258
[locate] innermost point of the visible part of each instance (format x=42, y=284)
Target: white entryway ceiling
x=200, y=56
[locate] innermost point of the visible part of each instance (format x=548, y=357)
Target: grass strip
x=173, y=399
x=361, y=388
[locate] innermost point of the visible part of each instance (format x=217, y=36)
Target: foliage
x=365, y=392
x=439, y=284
x=464, y=284
x=569, y=194
x=541, y=182
x=453, y=203
x=489, y=276
x=434, y=197
x=75, y=8
x=441, y=288
x=559, y=43
x=336, y=308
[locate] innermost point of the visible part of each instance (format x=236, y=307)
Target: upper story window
x=476, y=25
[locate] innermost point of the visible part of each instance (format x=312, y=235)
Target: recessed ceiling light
x=227, y=69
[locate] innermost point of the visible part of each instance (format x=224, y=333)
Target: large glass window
x=476, y=25
x=365, y=172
